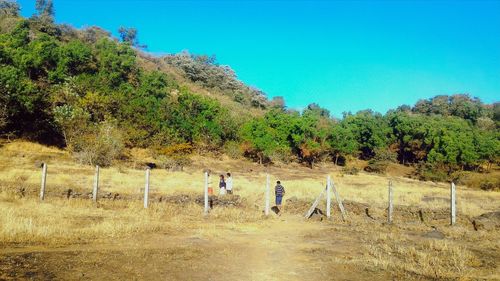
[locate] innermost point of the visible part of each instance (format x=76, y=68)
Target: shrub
x=101, y=145
x=174, y=163
x=430, y=172
x=232, y=149
x=350, y=170
x=378, y=167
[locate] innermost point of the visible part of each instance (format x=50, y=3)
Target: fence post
x=146, y=189
x=267, y=196
x=206, y=193
x=339, y=201
x=44, y=179
x=95, y=190
x=452, y=204
x=389, y=209
x=328, y=197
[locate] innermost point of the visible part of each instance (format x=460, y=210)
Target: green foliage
x=370, y=131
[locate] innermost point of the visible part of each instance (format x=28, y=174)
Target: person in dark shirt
x=222, y=185
x=279, y=192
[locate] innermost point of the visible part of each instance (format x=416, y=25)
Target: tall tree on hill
x=129, y=35
x=45, y=9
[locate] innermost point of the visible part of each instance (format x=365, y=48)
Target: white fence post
x=146, y=188
x=389, y=209
x=95, y=190
x=44, y=179
x=453, y=207
x=267, y=196
x=206, y=193
x=328, y=197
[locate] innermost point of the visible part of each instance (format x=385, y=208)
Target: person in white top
x=229, y=184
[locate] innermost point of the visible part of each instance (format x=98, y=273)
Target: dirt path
x=284, y=248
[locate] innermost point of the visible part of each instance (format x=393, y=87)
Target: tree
x=343, y=142
x=9, y=8
x=129, y=35
x=45, y=9
x=370, y=130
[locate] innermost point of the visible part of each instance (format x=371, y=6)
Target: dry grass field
x=73, y=239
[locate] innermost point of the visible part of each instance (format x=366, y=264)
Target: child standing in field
x=229, y=184
x=279, y=192
x=222, y=185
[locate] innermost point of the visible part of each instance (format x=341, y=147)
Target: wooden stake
x=206, y=193
x=452, y=204
x=146, y=189
x=389, y=209
x=44, y=179
x=328, y=197
x=267, y=196
x=95, y=190
x=339, y=201
x=314, y=205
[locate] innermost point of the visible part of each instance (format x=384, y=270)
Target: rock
x=487, y=221
x=434, y=234
x=276, y=210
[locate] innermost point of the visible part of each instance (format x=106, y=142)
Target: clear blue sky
x=343, y=55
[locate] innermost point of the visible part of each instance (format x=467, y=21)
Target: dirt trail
x=284, y=248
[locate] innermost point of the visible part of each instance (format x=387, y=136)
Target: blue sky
x=343, y=55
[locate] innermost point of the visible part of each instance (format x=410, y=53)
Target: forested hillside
x=97, y=95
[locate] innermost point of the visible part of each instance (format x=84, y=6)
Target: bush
x=232, y=149
x=430, y=172
x=378, y=167
x=99, y=146
x=385, y=155
x=174, y=163
x=350, y=170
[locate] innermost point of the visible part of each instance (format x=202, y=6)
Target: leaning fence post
x=146, y=189
x=328, y=197
x=452, y=204
x=389, y=209
x=206, y=193
x=267, y=196
x=339, y=201
x=95, y=190
x=44, y=179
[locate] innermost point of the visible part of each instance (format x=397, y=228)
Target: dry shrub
x=176, y=149
x=233, y=149
x=100, y=146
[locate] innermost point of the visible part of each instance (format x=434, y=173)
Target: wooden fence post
x=44, y=179
x=315, y=204
x=146, y=189
x=389, y=209
x=95, y=190
x=328, y=197
x=339, y=201
x=267, y=196
x=452, y=204
x=206, y=193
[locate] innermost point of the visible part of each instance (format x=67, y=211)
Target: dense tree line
x=87, y=91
